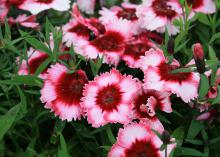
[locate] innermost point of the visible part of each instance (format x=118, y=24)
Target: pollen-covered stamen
x=195, y=3
x=165, y=72
x=142, y=148
x=162, y=8
x=36, y=62
x=109, y=97
x=69, y=87
x=80, y=30
x=45, y=1
x=111, y=41
x=127, y=13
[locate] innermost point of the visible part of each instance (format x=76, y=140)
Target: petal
x=95, y=117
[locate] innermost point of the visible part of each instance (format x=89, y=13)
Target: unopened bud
x=166, y=137
x=170, y=46
x=198, y=55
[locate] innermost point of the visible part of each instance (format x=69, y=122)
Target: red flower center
x=100, y=27
x=142, y=99
x=14, y=2
x=44, y=1
x=165, y=73
x=109, y=97
x=111, y=41
x=127, y=13
x=142, y=148
x=195, y=3
x=70, y=86
x=161, y=8
x=36, y=62
x=136, y=50
x=81, y=30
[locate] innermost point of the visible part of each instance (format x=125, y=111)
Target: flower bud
x=170, y=46
x=166, y=137
x=198, y=55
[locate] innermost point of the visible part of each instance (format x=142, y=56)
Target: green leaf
x=217, y=99
x=7, y=120
x=23, y=80
x=194, y=141
x=214, y=37
x=7, y=31
x=181, y=151
x=43, y=66
x=203, y=86
x=178, y=134
x=35, y=43
x=212, y=55
x=63, y=152
x=194, y=129
x=110, y=135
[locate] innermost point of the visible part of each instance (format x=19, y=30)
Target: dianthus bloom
x=35, y=59
x=36, y=6
x=62, y=92
x=147, y=102
x=110, y=45
x=203, y=6
x=137, y=140
x=87, y=6
x=108, y=98
x=25, y=21
x=158, y=75
x=159, y=14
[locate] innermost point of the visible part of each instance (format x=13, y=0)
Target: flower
x=158, y=75
x=87, y=6
x=36, y=6
x=136, y=140
x=3, y=11
x=147, y=102
x=35, y=59
x=136, y=47
x=24, y=20
x=159, y=14
x=108, y=98
x=62, y=92
x=127, y=11
x=203, y=6
x=110, y=45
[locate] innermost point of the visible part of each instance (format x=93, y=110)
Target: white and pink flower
x=34, y=60
x=36, y=6
x=110, y=45
x=158, y=75
x=159, y=14
x=25, y=21
x=202, y=6
x=135, y=48
x=136, y=140
x=87, y=6
x=3, y=11
x=62, y=92
x=108, y=98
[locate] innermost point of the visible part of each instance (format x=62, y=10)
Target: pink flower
x=62, y=92
x=136, y=140
x=158, y=76
x=203, y=6
x=147, y=102
x=87, y=6
x=136, y=47
x=110, y=45
x=24, y=20
x=35, y=59
x=158, y=14
x=3, y=11
x=108, y=98
x=126, y=11
x=36, y=6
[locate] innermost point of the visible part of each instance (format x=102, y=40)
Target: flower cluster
x=130, y=34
